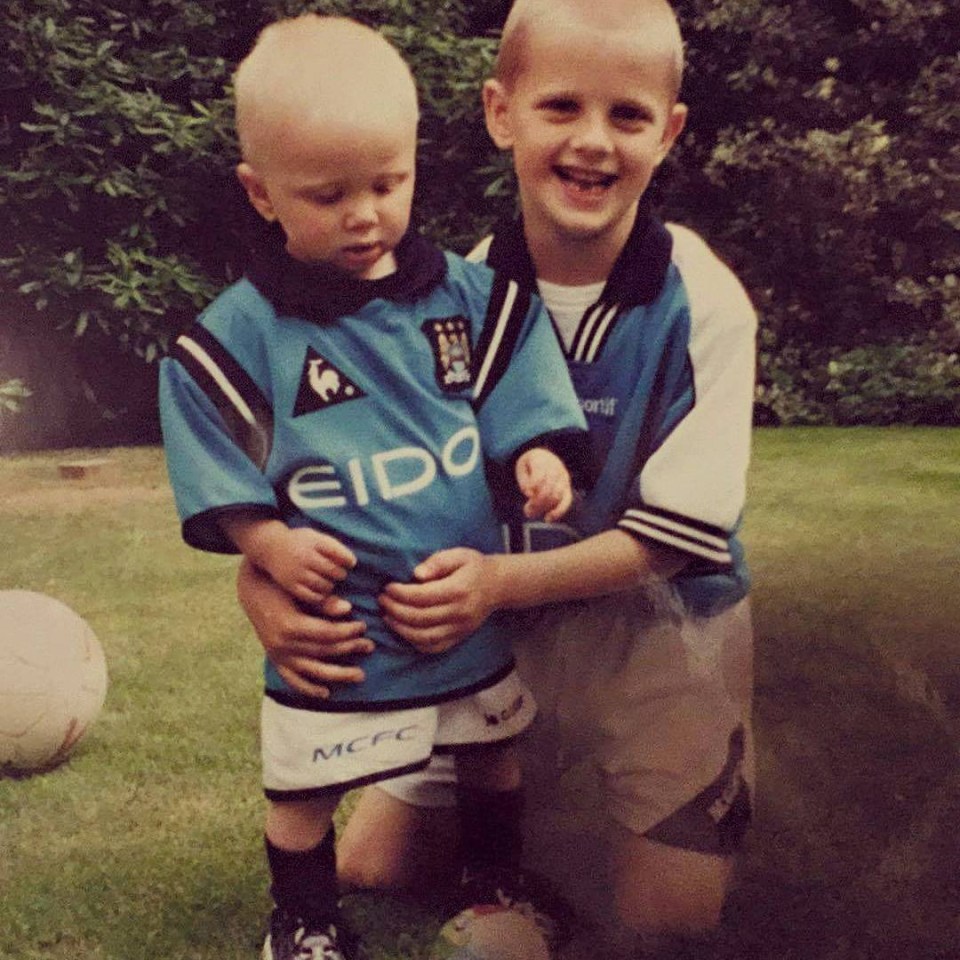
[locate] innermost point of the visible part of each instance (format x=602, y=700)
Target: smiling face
x=589, y=114
x=327, y=117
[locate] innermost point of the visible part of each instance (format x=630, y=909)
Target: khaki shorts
x=309, y=753
x=643, y=713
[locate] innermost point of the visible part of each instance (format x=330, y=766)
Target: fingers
x=560, y=510
x=432, y=629
x=331, y=566
x=442, y=564
x=417, y=616
x=336, y=553
x=301, y=684
x=414, y=595
x=320, y=636
x=302, y=655
x=311, y=591
x=334, y=606
x=312, y=677
x=318, y=577
x=549, y=497
x=435, y=639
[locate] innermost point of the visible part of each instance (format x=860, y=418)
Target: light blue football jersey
x=378, y=425
x=663, y=365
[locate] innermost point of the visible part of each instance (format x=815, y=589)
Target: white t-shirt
x=567, y=305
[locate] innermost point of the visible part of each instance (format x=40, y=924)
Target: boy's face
x=341, y=191
x=589, y=117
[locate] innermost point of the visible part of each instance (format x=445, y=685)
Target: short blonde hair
x=526, y=15
x=304, y=64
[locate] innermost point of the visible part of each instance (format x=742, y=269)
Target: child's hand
x=306, y=563
x=456, y=590
x=545, y=482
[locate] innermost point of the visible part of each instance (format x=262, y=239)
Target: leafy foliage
x=822, y=158
x=12, y=394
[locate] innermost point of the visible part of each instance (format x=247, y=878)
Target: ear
x=496, y=104
x=256, y=191
x=676, y=121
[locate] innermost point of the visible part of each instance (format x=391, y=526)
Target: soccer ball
x=53, y=680
x=490, y=932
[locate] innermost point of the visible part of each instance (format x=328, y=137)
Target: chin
x=582, y=229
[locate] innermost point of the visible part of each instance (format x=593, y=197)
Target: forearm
x=609, y=562
x=254, y=536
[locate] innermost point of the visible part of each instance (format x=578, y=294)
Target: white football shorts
x=308, y=753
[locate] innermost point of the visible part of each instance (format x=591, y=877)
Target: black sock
x=491, y=823
x=304, y=882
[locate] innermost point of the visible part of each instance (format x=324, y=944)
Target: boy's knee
x=361, y=866
x=668, y=912
x=664, y=891
x=388, y=844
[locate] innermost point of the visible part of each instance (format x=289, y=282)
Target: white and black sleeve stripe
x=701, y=539
x=506, y=312
x=245, y=410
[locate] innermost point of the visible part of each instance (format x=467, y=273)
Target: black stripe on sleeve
x=213, y=368
x=701, y=539
x=499, y=336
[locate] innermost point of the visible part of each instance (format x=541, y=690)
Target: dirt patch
x=71, y=498
x=121, y=478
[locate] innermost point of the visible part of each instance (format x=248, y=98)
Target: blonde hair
x=301, y=66
x=526, y=15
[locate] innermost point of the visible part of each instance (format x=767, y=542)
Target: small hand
x=545, y=482
x=454, y=594
x=308, y=564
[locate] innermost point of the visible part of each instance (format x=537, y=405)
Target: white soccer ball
x=53, y=681
x=491, y=933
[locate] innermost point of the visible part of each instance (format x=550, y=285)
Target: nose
x=361, y=214
x=591, y=134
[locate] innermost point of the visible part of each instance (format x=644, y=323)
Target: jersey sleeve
x=690, y=492
x=216, y=435
x=523, y=396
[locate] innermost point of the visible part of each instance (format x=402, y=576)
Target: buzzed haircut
x=309, y=58
x=525, y=15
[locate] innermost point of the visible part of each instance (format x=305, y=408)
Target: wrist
x=498, y=581
x=261, y=541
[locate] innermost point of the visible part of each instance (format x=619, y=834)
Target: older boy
x=329, y=417
x=648, y=687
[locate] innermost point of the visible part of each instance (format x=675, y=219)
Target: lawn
x=147, y=843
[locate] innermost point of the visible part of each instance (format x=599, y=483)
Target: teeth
x=585, y=178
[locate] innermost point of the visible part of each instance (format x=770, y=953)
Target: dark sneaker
x=524, y=892
x=292, y=939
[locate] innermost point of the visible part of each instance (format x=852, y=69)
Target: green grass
x=146, y=844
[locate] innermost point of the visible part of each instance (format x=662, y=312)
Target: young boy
x=349, y=391
x=646, y=687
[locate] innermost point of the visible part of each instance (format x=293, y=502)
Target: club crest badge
x=450, y=339
x=323, y=385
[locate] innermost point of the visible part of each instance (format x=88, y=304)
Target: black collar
x=322, y=293
x=637, y=276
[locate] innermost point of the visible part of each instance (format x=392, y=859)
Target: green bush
x=118, y=188
x=822, y=159
x=911, y=383
x=907, y=383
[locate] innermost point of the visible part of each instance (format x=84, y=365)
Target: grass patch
x=147, y=843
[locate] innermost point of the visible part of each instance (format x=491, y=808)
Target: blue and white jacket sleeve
x=690, y=493
x=216, y=432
